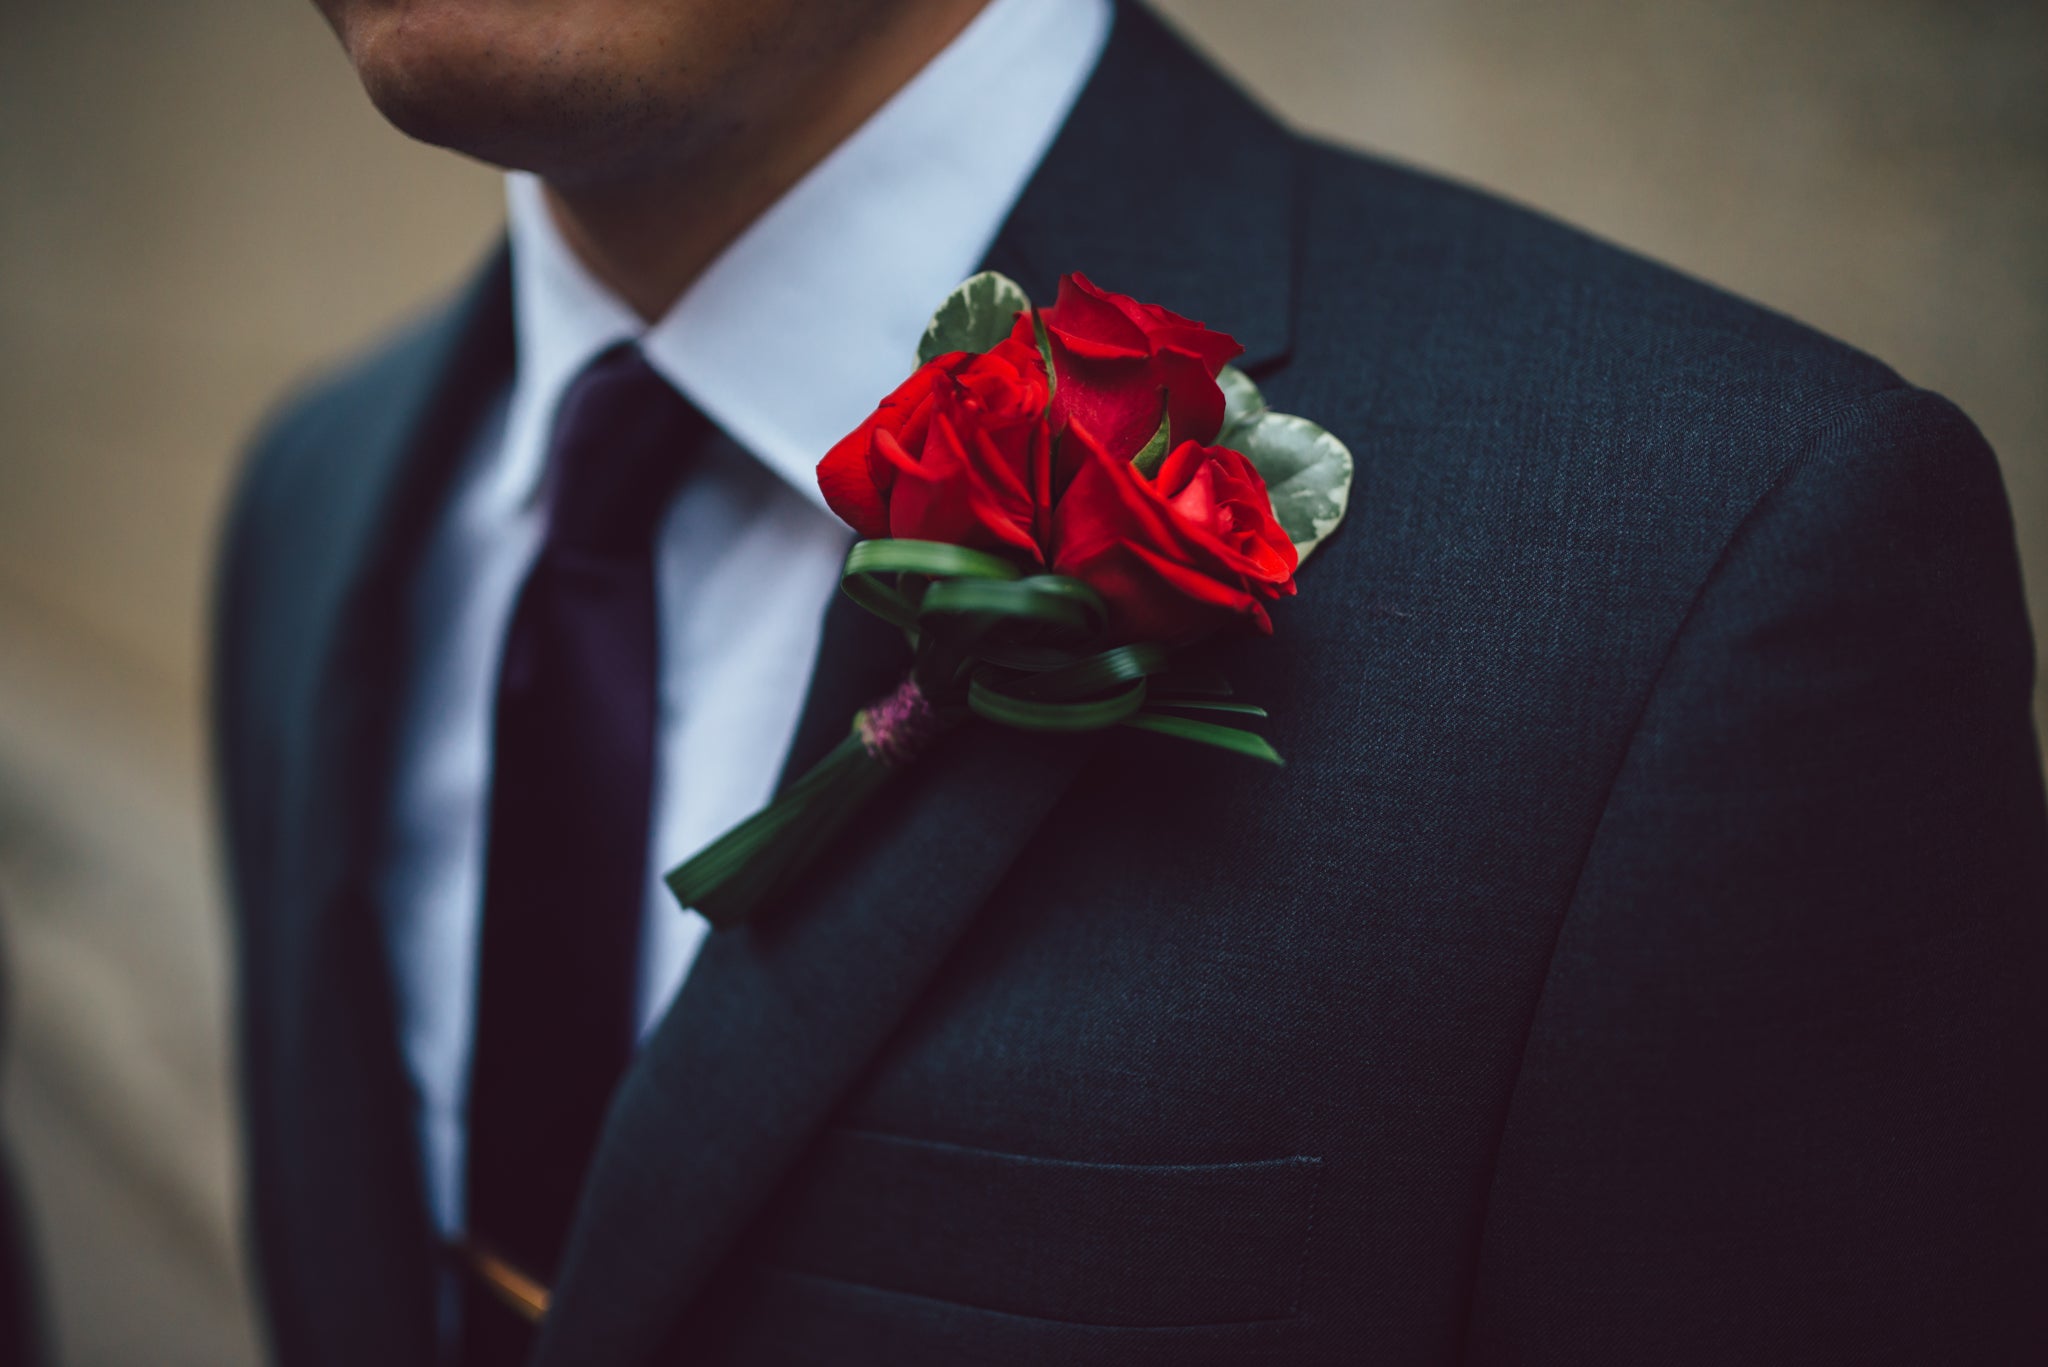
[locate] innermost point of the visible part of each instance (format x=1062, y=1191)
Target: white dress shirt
x=786, y=341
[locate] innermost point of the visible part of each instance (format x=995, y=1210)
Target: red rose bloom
x=960, y=453
x=963, y=453
x=1117, y=361
x=1190, y=550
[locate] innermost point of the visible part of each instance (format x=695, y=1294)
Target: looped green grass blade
x=1230, y=738
x=868, y=560
x=986, y=699
x=1095, y=673
x=1043, y=600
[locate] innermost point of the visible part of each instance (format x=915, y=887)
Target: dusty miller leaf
x=974, y=317
x=1307, y=471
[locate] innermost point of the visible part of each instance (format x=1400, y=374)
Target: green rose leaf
x=1153, y=454
x=1052, y=379
x=1307, y=471
x=974, y=317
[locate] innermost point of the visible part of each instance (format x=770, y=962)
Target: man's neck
x=649, y=235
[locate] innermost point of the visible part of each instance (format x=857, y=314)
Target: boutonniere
x=1053, y=507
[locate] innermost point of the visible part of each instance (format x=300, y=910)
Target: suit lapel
x=1169, y=185
x=361, y=1249
x=777, y=1021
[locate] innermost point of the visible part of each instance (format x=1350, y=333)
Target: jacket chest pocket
x=1095, y=1244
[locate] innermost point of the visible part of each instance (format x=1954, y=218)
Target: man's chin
x=503, y=99
x=448, y=98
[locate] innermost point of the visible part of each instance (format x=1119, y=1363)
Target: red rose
x=1191, y=549
x=1117, y=361
x=960, y=453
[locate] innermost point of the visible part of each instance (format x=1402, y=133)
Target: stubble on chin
x=525, y=96
x=600, y=94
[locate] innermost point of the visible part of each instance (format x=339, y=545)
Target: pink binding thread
x=898, y=728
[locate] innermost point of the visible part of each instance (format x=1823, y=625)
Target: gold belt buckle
x=522, y=1295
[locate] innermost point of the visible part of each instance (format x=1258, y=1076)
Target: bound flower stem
x=755, y=862
x=991, y=642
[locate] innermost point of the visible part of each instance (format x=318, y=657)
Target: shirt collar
x=800, y=327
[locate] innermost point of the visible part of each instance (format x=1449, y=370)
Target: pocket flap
x=1089, y=1243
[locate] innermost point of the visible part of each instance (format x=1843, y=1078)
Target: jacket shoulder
x=1477, y=281
x=1520, y=386
x=1558, y=443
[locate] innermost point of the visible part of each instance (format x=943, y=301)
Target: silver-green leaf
x=1241, y=403
x=1307, y=471
x=974, y=317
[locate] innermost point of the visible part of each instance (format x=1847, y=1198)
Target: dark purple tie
x=566, y=871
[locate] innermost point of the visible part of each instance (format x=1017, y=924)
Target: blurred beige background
x=196, y=206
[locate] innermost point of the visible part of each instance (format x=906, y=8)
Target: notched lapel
x=1170, y=185
x=777, y=1021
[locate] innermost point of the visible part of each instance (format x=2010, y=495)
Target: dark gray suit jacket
x=1641, y=959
